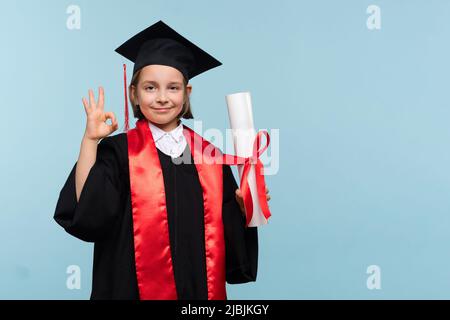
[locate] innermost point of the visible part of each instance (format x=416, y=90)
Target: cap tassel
x=126, y=96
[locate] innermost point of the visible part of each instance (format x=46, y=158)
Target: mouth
x=162, y=109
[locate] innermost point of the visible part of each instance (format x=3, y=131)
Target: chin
x=158, y=119
x=163, y=119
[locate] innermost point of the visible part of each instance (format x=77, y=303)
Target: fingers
x=239, y=194
x=91, y=99
x=101, y=98
x=110, y=115
x=239, y=200
x=92, y=104
x=267, y=194
x=85, y=104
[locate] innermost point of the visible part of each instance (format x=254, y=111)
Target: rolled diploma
x=243, y=131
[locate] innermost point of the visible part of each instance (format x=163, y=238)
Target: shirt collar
x=158, y=133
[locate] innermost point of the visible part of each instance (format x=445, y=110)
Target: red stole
x=153, y=258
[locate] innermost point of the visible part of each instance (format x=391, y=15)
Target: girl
x=164, y=226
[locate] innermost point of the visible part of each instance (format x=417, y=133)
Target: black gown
x=103, y=215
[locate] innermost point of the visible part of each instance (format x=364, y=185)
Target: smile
x=162, y=109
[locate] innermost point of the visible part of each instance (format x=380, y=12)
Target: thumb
x=113, y=127
x=114, y=124
x=112, y=116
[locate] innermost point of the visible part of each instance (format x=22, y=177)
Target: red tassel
x=126, y=96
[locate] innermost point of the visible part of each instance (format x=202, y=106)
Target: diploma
x=241, y=120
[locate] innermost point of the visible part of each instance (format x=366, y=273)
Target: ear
x=133, y=94
x=189, y=89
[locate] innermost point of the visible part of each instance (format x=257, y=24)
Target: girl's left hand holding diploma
x=240, y=199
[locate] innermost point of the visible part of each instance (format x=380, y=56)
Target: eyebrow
x=154, y=82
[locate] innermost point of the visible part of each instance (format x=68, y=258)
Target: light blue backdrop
x=364, y=175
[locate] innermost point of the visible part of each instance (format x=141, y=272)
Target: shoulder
x=118, y=141
x=116, y=146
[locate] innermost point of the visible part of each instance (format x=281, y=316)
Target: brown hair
x=185, y=113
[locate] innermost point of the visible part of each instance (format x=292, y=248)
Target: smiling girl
x=162, y=228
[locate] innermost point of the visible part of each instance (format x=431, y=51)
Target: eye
x=150, y=88
x=174, y=88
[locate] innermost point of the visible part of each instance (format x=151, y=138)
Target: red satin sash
x=154, y=268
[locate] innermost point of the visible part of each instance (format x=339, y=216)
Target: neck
x=167, y=126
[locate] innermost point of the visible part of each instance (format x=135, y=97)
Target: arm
x=241, y=242
x=90, y=200
x=86, y=159
x=101, y=201
x=96, y=128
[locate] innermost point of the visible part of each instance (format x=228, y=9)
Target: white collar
x=158, y=133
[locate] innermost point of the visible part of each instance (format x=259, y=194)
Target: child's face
x=160, y=95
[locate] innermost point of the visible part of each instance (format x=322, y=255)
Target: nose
x=162, y=98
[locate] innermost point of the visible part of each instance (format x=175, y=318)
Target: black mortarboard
x=160, y=44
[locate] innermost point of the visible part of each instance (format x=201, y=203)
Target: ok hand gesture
x=96, y=126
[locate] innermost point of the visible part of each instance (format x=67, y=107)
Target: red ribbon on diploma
x=259, y=175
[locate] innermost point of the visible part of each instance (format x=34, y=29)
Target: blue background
x=364, y=141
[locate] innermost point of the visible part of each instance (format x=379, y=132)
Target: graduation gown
x=103, y=215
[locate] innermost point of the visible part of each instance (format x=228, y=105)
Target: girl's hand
x=96, y=126
x=240, y=199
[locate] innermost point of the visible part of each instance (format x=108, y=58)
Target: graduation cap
x=160, y=44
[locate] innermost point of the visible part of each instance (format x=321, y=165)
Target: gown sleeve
x=241, y=243
x=99, y=204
